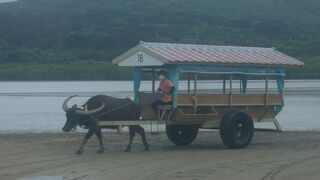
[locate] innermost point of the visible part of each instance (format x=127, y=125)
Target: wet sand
x=272, y=155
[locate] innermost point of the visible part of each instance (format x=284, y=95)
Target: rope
x=94, y=117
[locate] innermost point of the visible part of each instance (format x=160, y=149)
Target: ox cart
x=233, y=107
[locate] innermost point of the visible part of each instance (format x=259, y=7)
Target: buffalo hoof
x=146, y=147
x=128, y=149
x=79, y=152
x=101, y=151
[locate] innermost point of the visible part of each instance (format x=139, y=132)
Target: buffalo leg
x=85, y=140
x=99, y=136
x=131, y=136
x=142, y=133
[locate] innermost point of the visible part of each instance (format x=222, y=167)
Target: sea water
x=34, y=107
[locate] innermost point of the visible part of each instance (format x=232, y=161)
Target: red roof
x=212, y=54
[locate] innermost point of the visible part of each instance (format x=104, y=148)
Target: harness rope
x=94, y=117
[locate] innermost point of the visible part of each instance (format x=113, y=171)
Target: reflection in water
x=36, y=106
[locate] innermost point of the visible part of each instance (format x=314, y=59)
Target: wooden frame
x=206, y=109
x=259, y=106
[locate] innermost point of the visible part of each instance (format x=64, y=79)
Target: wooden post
x=195, y=84
x=195, y=98
x=240, y=85
x=119, y=129
x=230, y=93
x=153, y=79
x=224, y=84
x=266, y=90
x=188, y=83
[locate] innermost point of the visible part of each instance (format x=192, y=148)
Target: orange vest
x=165, y=87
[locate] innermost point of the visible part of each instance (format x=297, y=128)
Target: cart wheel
x=236, y=129
x=182, y=135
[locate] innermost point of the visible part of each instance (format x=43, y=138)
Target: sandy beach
x=271, y=155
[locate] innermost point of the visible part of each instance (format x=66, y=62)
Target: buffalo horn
x=88, y=112
x=65, y=103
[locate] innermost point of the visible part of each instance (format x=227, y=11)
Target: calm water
x=36, y=106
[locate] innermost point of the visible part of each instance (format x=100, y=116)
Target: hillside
x=60, y=36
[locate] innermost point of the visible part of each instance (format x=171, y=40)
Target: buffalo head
x=76, y=115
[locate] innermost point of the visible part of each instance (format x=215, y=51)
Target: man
x=166, y=89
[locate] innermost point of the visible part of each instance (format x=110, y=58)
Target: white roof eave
x=136, y=49
x=126, y=54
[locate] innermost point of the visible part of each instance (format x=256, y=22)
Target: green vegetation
x=311, y=70
x=76, y=39
x=65, y=71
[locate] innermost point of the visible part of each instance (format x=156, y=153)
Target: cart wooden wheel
x=236, y=129
x=182, y=135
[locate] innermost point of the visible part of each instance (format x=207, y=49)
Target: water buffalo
x=103, y=108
